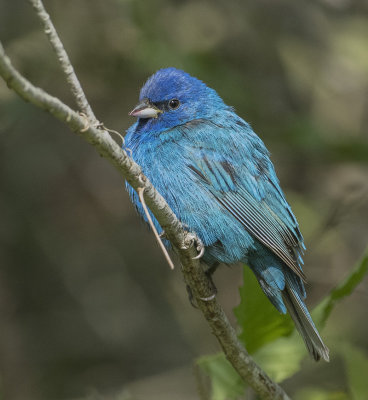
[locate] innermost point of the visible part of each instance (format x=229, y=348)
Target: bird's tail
x=303, y=322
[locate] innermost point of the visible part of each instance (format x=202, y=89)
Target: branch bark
x=64, y=61
x=182, y=240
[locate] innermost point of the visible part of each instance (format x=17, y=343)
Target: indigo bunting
x=216, y=175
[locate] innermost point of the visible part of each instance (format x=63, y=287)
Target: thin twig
x=64, y=61
x=102, y=126
x=193, y=273
x=159, y=241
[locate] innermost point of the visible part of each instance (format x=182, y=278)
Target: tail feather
x=286, y=292
x=303, y=322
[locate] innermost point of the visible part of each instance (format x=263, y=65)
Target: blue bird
x=216, y=175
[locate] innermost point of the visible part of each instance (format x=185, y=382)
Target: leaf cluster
x=274, y=343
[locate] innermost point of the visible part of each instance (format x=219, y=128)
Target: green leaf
x=261, y=323
x=225, y=381
x=258, y=319
x=282, y=358
x=263, y=331
x=320, y=394
x=356, y=364
x=323, y=310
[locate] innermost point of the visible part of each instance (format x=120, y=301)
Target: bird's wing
x=251, y=193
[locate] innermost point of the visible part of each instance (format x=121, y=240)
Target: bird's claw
x=193, y=300
x=209, y=298
x=200, y=248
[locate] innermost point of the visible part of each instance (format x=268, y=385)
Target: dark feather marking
x=208, y=165
x=262, y=166
x=259, y=232
x=241, y=123
x=141, y=124
x=194, y=123
x=162, y=105
x=215, y=124
x=297, y=234
x=229, y=169
x=224, y=177
x=199, y=173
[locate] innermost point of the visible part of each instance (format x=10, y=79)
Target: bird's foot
x=199, y=247
x=192, y=239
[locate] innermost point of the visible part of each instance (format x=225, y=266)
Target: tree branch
x=66, y=65
x=183, y=241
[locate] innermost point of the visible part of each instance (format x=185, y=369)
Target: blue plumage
x=216, y=175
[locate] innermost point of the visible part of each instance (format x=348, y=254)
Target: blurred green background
x=88, y=306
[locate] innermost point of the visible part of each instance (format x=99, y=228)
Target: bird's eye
x=174, y=104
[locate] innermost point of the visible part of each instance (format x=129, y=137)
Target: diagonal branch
x=183, y=241
x=64, y=61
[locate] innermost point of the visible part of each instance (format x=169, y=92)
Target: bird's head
x=172, y=97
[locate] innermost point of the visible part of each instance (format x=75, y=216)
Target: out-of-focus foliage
x=356, y=364
x=318, y=394
x=87, y=304
x=264, y=330
x=225, y=382
x=324, y=309
x=258, y=319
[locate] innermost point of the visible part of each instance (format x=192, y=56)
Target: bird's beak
x=145, y=109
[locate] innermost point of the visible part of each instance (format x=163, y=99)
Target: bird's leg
x=211, y=270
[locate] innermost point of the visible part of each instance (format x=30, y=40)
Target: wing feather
x=257, y=216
